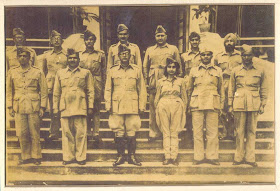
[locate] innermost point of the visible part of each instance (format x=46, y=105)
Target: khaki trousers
x=74, y=138
x=93, y=121
x=245, y=124
x=125, y=123
x=28, y=132
x=55, y=122
x=212, y=145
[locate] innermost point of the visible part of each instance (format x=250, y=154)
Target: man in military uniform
x=52, y=61
x=125, y=96
x=73, y=96
x=113, y=58
x=26, y=100
x=227, y=60
x=247, y=96
x=190, y=59
x=206, y=95
x=95, y=61
x=11, y=54
x=153, y=69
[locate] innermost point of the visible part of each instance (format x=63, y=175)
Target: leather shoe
x=37, y=161
x=253, y=164
x=68, y=162
x=51, y=138
x=27, y=161
x=197, y=162
x=83, y=162
x=213, y=162
x=175, y=162
x=166, y=162
x=237, y=163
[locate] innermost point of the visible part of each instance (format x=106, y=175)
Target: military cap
x=170, y=60
x=121, y=27
x=203, y=49
x=55, y=33
x=245, y=48
x=88, y=33
x=160, y=29
x=71, y=51
x=123, y=48
x=17, y=31
x=231, y=35
x=23, y=49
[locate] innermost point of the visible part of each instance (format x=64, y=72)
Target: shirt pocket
x=194, y=101
x=214, y=77
x=81, y=80
x=216, y=101
x=64, y=81
x=33, y=82
x=255, y=79
x=256, y=100
x=35, y=102
x=239, y=101
x=240, y=79
x=16, y=104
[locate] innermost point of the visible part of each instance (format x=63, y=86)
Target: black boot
x=131, y=147
x=120, y=143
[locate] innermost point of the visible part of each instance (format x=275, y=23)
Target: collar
x=165, y=78
x=166, y=45
x=127, y=44
x=89, y=52
x=191, y=52
x=201, y=65
x=24, y=71
x=253, y=66
x=129, y=66
x=76, y=69
x=235, y=52
x=61, y=51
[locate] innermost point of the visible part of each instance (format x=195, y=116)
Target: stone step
x=143, y=143
x=22, y=178
x=184, y=168
x=145, y=155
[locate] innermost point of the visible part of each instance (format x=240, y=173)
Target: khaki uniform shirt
x=190, y=59
x=205, y=88
x=12, y=61
x=51, y=63
x=113, y=58
x=125, y=90
x=95, y=62
x=228, y=61
x=73, y=92
x=247, y=88
x=26, y=90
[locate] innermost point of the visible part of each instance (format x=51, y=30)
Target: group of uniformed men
x=233, y=87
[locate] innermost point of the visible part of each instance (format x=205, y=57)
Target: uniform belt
x=250, y=88
x=170, y=96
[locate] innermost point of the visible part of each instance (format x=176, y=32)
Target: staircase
x=99, y=169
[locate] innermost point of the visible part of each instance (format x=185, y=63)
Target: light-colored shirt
x=190, y=59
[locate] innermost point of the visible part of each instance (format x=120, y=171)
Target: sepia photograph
x=130, y=95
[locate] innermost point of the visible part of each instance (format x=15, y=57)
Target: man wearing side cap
x=206, y=95
x=153, y=70
x=95, y=61
x=113, y=58
x=11, y=55
x=52, y=61
x=27, y=100
x=73, y=96
x=247, y=96
x=125, y=97
x=227, y=60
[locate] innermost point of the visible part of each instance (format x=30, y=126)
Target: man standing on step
x=206, y=95
x=153, y=70
x=113, y=58
x=11, y=55
x=52, y=61
x=227, y=60
x=191, y=59
x=27, y=100
x=95, y=61
x=125, y=96
x=247, y=96
x=73, y=96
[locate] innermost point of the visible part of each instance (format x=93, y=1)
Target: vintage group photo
x=140, y=95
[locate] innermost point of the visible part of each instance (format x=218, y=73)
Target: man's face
x=19, y=40
x=229, y=43
x=161, y=38
x=23, y=58
x=194, y=42
x=56, y=41
x=73, y=61
x=247, y=57
x=206, y=57
x=123, y=36
x=171, y=69
x=90, y=42
x=124, y=56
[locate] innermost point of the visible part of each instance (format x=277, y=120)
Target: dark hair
x=194, y=35
x=23, y=49
x=71, y=51
x=177, y=65
x=88, y=34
